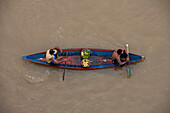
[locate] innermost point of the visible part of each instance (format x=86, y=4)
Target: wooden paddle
x=129, y=69
x=65, y=66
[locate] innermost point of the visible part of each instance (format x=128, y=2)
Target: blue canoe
x=99, y=59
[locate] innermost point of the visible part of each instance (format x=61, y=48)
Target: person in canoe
x=53, y=57
x=120, y=57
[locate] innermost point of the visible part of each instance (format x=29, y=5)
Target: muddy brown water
x=29, y=26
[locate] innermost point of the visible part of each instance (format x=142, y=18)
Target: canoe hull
x=99, y=59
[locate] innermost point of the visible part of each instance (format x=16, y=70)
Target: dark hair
x=119, y=51
x=51, y=51
x=123, y=56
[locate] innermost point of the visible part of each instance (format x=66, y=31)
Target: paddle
x=65, y=66
x=129, y=69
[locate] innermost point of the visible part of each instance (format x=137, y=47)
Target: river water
x=29, y=26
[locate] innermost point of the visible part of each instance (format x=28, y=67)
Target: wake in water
x=40, y=77
x=34, y=79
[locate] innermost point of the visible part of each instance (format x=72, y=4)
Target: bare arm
x=112, y=55
x=127, y=55
x=58, y=61
x=119, y=61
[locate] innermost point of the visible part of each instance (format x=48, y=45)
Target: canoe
x=99, y=59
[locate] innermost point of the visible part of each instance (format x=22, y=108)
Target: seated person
x=52, y=56
x=120, y=56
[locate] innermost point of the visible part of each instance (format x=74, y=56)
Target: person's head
x=123, y=56
x=51, y=51
x=119, y=51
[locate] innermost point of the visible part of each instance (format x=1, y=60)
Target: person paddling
x=52, y=56
x=120, y=57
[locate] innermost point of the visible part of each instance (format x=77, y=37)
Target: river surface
x=29, y=26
